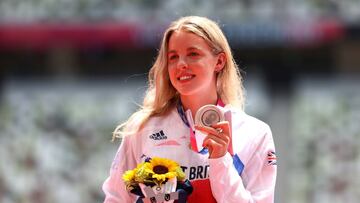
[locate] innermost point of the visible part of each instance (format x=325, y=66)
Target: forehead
x=184, y=40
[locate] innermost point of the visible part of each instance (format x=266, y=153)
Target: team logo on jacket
x=271, y=158
x=158, y=136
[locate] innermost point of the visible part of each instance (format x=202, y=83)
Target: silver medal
x=208, y=115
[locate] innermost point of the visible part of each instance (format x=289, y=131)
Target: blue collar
x=182, y=114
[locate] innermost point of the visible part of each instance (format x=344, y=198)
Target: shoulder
x=249, y=126
x=154, y=123
x=239, y=117
x=162, y=120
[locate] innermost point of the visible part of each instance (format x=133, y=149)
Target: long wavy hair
x=161, y=96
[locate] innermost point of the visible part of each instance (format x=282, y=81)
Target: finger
x=223, y=125
x=208, y=144
x=214, y=132
x=206, y=129
x=216, y=148
x=223, y=136
x=215, y=141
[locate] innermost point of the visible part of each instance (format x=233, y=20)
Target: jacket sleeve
x=228, y=186
x=114, y=187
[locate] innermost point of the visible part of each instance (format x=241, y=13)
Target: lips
x=185, y=77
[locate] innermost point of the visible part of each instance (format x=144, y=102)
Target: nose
x=181, y=63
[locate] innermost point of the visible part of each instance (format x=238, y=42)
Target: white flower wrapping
x=164, y=193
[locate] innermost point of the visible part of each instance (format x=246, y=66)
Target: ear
x=221, y=60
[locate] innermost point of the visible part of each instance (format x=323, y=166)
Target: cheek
x=172, y=75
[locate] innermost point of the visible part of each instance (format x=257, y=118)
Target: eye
x=193, y=54
x=172, y=57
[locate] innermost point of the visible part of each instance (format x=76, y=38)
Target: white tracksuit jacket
x=248, y=176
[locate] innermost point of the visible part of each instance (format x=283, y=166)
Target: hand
x=218, y=138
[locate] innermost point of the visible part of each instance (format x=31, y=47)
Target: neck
x=195, y=102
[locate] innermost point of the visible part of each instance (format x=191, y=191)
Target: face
x=192, y=66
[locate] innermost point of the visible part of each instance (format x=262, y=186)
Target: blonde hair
x=161, y=96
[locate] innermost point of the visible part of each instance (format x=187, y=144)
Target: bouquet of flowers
x=158, y=180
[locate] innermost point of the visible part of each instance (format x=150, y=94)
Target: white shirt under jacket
x=248, y=176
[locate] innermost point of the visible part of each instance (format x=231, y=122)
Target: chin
x=187, y=92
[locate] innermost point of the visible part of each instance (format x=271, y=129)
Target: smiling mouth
x=186, y=77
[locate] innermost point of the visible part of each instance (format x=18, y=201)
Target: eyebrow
x=171, y=51
x=188, y=49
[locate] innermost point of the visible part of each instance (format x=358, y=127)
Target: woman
x=194, y=68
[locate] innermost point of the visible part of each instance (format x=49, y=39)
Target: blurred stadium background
x=71, y=70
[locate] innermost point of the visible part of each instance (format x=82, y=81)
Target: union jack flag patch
x=271, y=158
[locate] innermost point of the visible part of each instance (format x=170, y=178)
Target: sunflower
x=129, y=179
x=180, y=174
x=129, y=176
x=138, y=174
x=164, y=169
x=154, y=171
x=142, y=174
